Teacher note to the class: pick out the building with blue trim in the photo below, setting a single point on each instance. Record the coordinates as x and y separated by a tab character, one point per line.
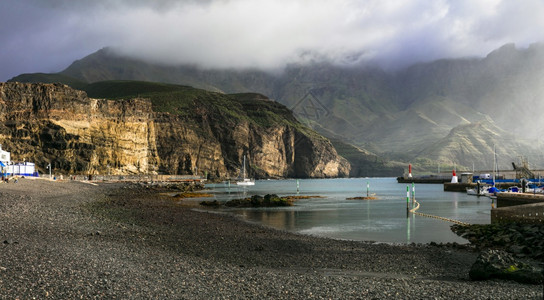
10	168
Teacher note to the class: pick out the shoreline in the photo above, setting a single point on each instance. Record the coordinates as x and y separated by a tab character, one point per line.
116	240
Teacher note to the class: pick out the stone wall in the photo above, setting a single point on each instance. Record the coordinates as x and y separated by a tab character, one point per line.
520	208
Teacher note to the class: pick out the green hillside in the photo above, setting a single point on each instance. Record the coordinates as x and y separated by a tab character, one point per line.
181	100
50	78
126	88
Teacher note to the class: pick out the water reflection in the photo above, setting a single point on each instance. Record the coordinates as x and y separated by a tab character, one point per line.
277	219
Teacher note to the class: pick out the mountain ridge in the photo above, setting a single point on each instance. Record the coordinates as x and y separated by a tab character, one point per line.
394	115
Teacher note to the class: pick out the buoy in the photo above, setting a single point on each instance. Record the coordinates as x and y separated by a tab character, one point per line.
413	194
407	200
409	170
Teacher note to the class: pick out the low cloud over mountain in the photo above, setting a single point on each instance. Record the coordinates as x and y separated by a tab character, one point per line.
44	36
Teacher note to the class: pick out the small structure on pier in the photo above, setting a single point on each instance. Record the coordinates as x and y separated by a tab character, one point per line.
523	171
466	177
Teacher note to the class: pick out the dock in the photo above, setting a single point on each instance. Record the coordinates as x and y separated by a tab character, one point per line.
462	187
515	199
518	207
424	179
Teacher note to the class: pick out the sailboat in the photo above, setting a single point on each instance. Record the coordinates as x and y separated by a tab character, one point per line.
492	191
245	181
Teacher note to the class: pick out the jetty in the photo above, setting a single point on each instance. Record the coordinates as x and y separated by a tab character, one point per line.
518	207
463	186
409	178
424	179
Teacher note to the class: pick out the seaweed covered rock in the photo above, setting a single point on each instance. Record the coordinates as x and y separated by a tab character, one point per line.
269	200
502	265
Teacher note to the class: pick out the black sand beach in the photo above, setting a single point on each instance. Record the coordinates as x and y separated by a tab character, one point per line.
71	240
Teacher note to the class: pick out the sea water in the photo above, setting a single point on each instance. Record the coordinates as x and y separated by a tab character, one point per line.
382	220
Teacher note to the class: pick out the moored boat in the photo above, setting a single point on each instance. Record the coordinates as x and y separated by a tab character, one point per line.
244	181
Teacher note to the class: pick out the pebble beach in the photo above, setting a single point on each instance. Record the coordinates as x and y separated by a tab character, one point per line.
76	240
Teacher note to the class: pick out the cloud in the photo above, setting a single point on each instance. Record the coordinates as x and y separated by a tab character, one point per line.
48	35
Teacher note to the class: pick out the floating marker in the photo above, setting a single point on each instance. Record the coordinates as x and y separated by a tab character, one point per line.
407	199
408	230
410	170
413	194
298	186
367	189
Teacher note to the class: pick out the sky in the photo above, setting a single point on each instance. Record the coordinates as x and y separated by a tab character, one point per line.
48	35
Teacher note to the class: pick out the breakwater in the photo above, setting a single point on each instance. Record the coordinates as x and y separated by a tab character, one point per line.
518	207
462	187
424	179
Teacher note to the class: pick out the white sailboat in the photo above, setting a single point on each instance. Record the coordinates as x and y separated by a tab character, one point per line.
492	191
245	181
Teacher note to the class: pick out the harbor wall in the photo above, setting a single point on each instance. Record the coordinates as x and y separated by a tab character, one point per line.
462	187
430	179
458	187
516	199
519	208
526	213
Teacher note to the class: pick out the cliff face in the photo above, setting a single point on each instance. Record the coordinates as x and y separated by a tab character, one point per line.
47	123
52	123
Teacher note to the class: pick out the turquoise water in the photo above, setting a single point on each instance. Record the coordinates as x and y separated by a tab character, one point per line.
382	220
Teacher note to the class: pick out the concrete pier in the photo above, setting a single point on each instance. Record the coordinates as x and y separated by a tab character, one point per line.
462	187
516	199
427	179
518	207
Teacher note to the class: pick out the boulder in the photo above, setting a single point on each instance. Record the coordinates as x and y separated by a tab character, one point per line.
502	265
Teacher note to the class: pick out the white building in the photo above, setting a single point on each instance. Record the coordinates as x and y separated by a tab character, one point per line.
4	156
21	169
10	168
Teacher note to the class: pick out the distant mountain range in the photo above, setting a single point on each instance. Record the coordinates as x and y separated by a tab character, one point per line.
446	112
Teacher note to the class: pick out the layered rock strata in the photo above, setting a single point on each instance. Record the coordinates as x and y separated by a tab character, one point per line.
52	123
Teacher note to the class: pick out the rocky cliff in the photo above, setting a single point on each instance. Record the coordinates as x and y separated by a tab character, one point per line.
176	133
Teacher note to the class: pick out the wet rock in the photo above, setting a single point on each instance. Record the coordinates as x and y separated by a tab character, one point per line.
522	240
516	249
502	265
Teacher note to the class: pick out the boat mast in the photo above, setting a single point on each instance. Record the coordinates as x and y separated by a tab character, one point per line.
244	168
494	163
